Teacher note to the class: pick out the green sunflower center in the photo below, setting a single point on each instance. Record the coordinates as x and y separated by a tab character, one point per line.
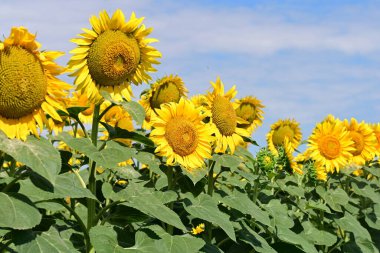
113	58
247	112
182	136
223	115
23	83
358	140
280	133
166	93
329	146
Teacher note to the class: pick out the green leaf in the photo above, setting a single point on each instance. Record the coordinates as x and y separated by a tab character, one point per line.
177	244
316	236
17	211
74	111
104	239
289	236
318	205
373	171
279	213
109	157
291	189
334	198
144	200
119	133
135	110
195	175
67	185
229	161
242	203
49	241
249	236
38	154
373	218
366	191
206	208
150	160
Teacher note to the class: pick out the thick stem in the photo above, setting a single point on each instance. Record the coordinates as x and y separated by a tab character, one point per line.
91	210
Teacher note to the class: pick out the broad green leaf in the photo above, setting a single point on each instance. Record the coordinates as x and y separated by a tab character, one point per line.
17	211
242	203
335	198
206	208
249	236
289	236
373	171
318	205
117	133
109	157
177	244
104	239
73	111
135	110
279	213
229	161
144	200
211	248
291	189
366	191
316	236
67	185
373	218
195	175
127	172
49	241
151	161
166	197
38	154
350	223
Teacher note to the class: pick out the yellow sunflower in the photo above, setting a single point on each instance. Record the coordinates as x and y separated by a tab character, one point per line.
364	141
250	109
29	87
376	131
81	100
180	134
165	90
321	173
288	148
223	118
112	55
330	145
280	130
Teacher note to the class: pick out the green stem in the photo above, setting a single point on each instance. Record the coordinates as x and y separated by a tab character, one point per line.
83	128
91	209
81	224
169	174
14	181
105	111
101	212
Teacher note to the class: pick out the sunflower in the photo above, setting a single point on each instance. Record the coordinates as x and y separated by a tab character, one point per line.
167	89
250	109
28	85
288	148
330	145
364	141
376	131
81	100
223	118
112	55
288	128
180	134
320	171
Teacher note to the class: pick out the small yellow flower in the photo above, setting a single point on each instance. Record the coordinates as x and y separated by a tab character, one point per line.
198	229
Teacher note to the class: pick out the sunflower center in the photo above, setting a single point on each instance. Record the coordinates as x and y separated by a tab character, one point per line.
182	136
223	115
247	112
358	140
280	134
166	93
23	82
113	57
329	146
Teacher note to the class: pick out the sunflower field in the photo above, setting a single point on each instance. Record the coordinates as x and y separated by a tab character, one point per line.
86	168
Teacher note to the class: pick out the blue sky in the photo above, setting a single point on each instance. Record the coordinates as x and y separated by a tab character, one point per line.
303	59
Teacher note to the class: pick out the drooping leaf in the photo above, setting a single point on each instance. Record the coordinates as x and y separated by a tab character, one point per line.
18	212
206	208
38	154
249	236
135	110
195	175
279	213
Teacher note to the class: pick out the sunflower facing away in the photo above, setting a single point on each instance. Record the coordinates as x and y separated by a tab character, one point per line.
250	109
330	145
288	128
28	85
224	119
113	54
180	134
165	90
364	141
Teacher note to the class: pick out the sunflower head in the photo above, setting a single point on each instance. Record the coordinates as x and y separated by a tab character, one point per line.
180	134
376	131
330	145
28	86
113	54
224	119
165	90
364	141
250	110
282	129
